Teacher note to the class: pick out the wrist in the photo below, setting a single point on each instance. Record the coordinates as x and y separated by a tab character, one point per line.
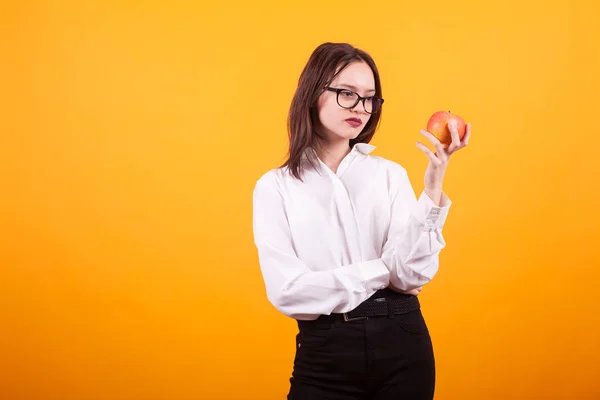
435	195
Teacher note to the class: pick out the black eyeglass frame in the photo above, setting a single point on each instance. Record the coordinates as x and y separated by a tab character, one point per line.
359	98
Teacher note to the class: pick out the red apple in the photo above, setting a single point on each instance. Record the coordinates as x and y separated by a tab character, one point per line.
438	126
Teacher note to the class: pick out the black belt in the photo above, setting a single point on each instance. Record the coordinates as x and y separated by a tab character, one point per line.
382	307
376	306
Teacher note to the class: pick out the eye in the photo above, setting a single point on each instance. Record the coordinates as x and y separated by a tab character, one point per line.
346	93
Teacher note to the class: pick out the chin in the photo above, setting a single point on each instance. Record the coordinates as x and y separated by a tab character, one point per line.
344	133
352	134
344	136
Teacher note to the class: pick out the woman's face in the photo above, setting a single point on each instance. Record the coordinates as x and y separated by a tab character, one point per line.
337	123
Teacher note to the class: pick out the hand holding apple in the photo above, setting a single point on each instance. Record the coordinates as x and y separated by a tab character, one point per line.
438	126
449	134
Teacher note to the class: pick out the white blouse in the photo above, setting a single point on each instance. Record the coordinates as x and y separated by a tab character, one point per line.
327	244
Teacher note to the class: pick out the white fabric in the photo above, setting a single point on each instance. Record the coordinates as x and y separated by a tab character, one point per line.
327	244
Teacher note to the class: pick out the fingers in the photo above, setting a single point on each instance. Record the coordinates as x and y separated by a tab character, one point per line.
465	140
432	157
439	148
455	137
456	142
414	292
443	152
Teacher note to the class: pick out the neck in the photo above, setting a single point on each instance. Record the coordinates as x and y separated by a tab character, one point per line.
332	153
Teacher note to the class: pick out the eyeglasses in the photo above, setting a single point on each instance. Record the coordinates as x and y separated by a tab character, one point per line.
349	99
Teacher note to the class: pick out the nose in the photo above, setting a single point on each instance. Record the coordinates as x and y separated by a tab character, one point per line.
360	106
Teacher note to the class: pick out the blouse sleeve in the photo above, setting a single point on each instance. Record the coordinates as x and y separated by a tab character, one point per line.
414	239
291	286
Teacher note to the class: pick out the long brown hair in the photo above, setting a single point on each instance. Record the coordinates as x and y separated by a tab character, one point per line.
326	61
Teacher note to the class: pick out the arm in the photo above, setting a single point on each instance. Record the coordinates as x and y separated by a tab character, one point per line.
415	235
292	287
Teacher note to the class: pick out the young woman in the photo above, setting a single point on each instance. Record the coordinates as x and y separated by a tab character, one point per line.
344	244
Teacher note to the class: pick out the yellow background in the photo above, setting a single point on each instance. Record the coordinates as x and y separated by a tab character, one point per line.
131	136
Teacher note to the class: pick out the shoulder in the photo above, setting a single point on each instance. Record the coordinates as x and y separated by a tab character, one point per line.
273	176
387	172
272	180
387	166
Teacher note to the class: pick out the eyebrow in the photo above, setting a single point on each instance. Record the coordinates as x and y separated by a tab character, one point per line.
355	88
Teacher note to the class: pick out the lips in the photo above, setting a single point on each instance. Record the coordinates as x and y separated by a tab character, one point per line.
354	121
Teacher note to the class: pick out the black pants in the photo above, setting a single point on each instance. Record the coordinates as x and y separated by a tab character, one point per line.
379	358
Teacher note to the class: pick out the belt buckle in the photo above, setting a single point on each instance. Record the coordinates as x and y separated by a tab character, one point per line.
347	318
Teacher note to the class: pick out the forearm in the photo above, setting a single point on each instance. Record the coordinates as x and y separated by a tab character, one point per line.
301	293
414	242
415	266
435	194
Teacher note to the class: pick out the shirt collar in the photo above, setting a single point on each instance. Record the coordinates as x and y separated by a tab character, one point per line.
363	148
